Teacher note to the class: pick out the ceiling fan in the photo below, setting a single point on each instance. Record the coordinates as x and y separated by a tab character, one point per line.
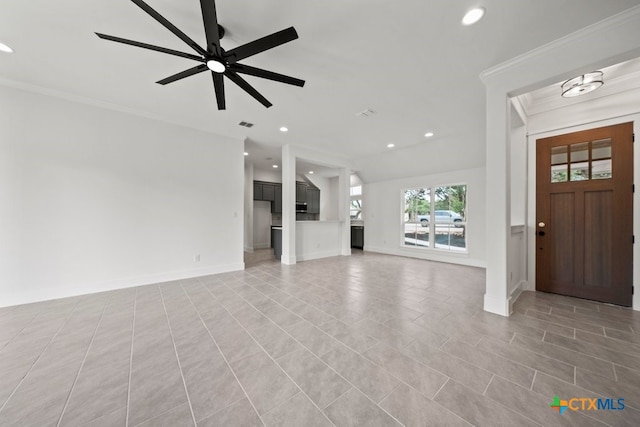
214	57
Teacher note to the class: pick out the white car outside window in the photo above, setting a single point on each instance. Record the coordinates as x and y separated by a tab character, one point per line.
442	217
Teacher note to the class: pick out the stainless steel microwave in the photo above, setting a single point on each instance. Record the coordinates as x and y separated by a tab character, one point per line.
301	207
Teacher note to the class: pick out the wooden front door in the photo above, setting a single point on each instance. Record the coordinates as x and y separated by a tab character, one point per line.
584	214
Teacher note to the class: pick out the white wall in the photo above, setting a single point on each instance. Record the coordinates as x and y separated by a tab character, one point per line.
261	224
518	172
332	204
383	230
517	263
610	110
328	196
94	199
271	175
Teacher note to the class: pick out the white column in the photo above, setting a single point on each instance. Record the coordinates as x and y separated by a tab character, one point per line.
248	207
498	222
288	206
344	201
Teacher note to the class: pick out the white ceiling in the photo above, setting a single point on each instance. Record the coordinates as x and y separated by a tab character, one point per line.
617	78
410	61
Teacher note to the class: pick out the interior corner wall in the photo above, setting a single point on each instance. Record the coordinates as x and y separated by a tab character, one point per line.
384	218
93	199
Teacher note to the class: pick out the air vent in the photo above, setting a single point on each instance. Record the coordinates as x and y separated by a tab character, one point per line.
366	113
246	124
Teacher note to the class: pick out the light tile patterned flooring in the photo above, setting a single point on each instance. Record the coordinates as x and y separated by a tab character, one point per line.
365	340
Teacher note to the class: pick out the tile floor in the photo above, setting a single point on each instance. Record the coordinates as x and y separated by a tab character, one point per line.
365	340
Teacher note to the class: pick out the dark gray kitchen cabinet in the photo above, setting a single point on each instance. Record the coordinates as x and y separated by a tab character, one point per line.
268	192
257	190
357	236
301	192
313	200
276	206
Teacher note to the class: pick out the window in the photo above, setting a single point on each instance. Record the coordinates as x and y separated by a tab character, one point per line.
355	211
436	217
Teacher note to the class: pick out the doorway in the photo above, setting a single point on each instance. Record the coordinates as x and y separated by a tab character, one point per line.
584	214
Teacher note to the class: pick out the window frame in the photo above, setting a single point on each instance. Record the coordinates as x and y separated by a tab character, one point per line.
431	247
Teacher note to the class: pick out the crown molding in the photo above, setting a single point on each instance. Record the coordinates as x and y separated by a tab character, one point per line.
612	22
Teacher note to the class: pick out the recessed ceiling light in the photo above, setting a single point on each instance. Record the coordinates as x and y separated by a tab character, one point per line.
428	134
246	154
275	166
311	172
391	145
216	66
5	48
473	16
284	129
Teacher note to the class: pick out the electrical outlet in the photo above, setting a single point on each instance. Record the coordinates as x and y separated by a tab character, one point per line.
197	258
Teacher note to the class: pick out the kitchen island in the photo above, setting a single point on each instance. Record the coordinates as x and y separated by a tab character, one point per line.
318	239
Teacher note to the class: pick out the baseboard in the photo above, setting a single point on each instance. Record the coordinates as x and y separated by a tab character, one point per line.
261	245
515	294
496	305
432	255
290	260
61	291
248	248
318	255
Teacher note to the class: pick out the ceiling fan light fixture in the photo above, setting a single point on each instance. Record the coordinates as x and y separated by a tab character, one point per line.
582	84
473	16
216	66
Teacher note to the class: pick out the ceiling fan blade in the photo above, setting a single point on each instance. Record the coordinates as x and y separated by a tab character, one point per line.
218	85
149	46
234	77
260	45
168	25
181	75
210	19
269	75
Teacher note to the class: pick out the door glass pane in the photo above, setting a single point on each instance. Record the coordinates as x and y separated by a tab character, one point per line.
601	149
559	173
580	171
580	152
601	169
559	160
559	155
